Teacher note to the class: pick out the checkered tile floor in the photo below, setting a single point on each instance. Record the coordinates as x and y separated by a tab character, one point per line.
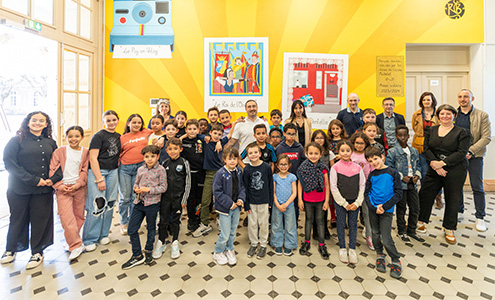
433	270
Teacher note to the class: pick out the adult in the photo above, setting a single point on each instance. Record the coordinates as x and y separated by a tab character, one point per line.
388	120
445	147
163	108
352	116
477	123
30	194
303	123
421	121
243	131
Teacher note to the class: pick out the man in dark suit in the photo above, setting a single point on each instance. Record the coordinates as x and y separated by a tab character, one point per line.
388	120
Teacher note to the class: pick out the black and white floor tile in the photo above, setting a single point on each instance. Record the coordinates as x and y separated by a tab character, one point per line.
433	270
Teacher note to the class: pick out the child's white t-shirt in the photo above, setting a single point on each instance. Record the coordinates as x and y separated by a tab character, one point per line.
72	165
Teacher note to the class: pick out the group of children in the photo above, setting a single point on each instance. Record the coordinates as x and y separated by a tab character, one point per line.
184	164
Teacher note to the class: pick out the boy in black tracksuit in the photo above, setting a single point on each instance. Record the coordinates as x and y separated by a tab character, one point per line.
174	199
193	152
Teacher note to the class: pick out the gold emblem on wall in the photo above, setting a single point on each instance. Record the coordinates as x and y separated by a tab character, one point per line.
454	9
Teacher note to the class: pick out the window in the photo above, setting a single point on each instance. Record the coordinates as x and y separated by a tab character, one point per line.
78	15
13	98
36	98
41	10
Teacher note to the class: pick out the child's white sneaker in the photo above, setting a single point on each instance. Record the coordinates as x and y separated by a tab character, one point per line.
220	258
175	251
343	255
159	249
231	257
353	259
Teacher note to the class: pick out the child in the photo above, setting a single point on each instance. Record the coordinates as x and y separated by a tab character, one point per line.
225	120
336	133
71	190
291	148
283	214
371	130
174	199
360	143
320	138
369	115
276	118
276	135
135	138
229	193
181	117
405	160
258	181
383	190
267	150
203	126
151	182
347	183
193	151
171	129
212	163
314	185
156	123
212	115
104	150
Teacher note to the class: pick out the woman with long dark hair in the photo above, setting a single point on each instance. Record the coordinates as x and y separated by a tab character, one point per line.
303	123
30	194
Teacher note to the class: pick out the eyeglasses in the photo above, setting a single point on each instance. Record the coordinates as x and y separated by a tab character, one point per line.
283	165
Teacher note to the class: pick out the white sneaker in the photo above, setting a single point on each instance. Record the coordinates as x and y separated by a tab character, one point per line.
34	261
76	252
175	251
343	255
353	259
202	229
460	217
480	225
8	257
159	249
231	257
220	258
123	229
105	241
90	248
364	232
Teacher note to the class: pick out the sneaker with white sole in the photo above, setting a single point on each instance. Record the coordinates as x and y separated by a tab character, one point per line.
174	250
353	259
230	254
35	260
159	249
8	257
105	241
480	225
343	255
134	261
123	229
76	252
202	230
369	241
460	217
421	228
220	258
449	236
90	248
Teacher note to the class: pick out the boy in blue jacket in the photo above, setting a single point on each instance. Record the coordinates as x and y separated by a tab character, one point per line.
405	160
230	195
383	190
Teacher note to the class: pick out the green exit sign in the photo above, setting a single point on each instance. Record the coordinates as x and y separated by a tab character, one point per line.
30	24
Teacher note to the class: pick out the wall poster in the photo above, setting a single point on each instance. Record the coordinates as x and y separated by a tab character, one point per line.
320	81
236	70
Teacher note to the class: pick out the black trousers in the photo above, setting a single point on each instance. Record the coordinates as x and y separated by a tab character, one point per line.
35	210
170	212
409	199
197	182
452	185
314	211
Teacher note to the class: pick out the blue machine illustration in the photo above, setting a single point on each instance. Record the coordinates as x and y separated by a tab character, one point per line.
142	23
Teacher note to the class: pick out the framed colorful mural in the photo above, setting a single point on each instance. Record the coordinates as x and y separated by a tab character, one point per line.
236	70
320	81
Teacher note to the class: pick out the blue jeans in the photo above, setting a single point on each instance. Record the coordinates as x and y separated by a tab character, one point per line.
228	227
475	170
138	214
347	217
127	177
284	221
98	221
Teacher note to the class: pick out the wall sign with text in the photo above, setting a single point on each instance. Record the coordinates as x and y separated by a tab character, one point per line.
390	76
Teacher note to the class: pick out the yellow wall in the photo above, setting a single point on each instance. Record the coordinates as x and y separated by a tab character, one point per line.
363	29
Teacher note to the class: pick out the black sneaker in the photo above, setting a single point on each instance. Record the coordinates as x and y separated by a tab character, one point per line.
327	234
404	238
380	263
261	253
323	252
278	250
245	222
252	251
417	237
148	258
333	225
304	248
134	261
396	270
